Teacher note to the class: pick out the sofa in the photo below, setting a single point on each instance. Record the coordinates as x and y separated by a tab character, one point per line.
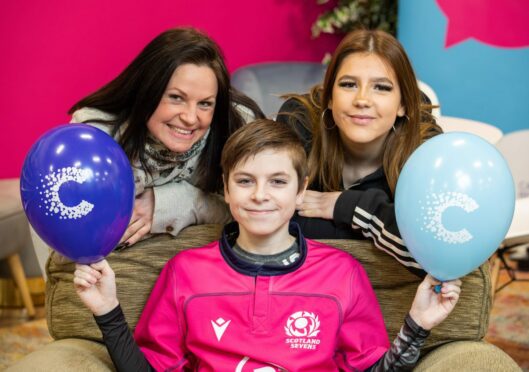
456	345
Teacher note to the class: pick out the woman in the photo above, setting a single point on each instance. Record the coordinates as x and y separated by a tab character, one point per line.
359	129
171	110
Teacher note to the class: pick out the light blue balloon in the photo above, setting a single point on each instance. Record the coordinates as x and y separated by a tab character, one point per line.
454	203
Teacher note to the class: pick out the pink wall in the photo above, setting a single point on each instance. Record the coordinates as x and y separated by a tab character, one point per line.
56	52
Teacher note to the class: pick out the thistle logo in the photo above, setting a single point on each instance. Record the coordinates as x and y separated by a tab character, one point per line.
303	327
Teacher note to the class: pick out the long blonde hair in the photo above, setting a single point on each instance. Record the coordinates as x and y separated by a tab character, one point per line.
326	157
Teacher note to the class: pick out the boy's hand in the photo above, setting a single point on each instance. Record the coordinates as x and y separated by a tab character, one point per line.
318	204
96	286
142	216
429	308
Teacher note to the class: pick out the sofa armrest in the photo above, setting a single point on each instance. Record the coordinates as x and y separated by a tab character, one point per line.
69	354
467	356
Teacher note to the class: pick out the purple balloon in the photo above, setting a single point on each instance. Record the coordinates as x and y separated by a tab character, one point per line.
77	190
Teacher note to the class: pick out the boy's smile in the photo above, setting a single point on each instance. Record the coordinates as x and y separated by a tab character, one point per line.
262	192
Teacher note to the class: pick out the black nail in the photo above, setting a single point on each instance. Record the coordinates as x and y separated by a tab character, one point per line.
122	246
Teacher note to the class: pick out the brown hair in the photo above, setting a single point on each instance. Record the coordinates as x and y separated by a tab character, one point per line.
261	135
326	157
132	97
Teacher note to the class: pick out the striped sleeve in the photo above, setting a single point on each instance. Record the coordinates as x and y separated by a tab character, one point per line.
373	213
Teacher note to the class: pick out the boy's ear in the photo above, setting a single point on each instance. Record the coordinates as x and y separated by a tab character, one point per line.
301	193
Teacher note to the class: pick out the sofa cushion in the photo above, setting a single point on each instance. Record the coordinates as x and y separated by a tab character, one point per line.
138	267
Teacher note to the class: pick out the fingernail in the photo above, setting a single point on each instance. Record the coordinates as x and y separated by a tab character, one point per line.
122	246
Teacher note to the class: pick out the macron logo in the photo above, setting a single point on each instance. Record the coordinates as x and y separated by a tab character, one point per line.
219	326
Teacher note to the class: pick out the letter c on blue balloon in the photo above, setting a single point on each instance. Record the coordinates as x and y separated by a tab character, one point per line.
52	183
436	205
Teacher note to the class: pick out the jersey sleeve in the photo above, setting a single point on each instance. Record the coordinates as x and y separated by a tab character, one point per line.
405	349
362	338
161	328
122	348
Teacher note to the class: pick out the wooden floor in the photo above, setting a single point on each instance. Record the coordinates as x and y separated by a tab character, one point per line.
518	353
10	317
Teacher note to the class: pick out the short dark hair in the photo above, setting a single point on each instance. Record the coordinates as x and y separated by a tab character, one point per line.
261	135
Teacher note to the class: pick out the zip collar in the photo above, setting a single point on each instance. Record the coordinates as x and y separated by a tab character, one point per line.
228	238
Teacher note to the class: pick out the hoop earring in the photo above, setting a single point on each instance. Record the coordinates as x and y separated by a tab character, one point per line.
322	119
405	118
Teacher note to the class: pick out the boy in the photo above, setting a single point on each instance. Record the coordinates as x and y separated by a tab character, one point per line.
262	297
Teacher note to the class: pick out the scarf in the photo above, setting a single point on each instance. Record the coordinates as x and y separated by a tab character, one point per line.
165	165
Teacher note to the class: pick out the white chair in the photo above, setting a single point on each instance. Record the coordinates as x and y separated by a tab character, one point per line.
14	238
452	124
486	131
42	251
515	149
428	90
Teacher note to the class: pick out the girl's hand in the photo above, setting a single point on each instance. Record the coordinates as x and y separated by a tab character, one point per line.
96	286
141	220
318	204
429	308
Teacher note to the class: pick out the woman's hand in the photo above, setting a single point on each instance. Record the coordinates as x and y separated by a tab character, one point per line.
96	286
141	220
430	308
318	204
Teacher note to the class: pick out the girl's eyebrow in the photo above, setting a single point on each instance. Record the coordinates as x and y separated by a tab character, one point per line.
381	79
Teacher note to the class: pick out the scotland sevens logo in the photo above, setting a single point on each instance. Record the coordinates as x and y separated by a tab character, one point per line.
51	185
436	205
302	324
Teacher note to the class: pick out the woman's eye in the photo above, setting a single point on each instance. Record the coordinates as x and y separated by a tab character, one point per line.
175	97
384	87
207	104
347	84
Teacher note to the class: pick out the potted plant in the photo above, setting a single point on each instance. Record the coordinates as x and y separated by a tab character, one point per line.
348	15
